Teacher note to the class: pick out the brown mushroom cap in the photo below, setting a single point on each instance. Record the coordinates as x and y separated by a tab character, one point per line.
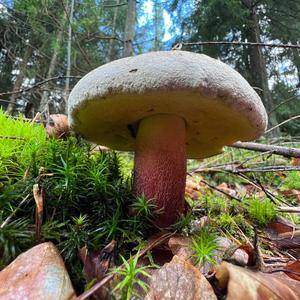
217	103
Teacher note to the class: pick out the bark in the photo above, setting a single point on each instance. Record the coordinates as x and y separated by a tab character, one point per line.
258	67
44	104
129	28
19	80
111	52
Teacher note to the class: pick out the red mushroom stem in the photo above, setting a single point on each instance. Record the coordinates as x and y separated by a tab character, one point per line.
160	165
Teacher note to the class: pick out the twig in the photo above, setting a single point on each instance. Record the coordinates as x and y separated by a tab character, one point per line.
289	209
272	45
286	121
282	103
114	5
279	150
14	211
219	190
237	170
38	84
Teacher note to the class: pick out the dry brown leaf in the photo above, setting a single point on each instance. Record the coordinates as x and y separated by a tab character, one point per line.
38	273
242	283
58	127
294	266
96	264
181	246
295	161
39	198
179	280
227	189
295	194
287	240
280	225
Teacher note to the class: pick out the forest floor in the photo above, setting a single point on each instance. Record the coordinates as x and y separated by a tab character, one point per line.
240	237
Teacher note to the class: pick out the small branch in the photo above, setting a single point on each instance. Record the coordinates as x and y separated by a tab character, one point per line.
14	211
114	5
219	190
279	150
289	209
38	84
236	170
178	46
286	121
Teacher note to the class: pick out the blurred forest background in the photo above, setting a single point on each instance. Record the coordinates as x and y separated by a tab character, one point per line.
46	46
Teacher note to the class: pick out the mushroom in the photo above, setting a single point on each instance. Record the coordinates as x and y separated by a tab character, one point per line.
166	106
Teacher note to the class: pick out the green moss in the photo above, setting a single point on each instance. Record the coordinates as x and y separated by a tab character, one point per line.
262	212
87	198
292	180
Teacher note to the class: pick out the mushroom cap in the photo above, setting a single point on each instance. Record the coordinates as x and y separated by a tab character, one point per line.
216	102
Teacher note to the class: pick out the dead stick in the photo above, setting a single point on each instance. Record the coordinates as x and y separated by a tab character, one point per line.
288	209
279	150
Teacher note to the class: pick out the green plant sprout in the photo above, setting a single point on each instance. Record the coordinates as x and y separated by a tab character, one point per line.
130	274
204	246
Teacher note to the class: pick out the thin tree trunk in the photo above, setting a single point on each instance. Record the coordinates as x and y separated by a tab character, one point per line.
69	49
111	52
296	61
129	28
19	80
44	104
258	67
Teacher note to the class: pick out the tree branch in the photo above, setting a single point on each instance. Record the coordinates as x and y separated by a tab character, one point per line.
180	45
38	84
279	150
114	5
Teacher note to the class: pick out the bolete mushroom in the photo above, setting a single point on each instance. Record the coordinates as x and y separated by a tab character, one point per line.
166	106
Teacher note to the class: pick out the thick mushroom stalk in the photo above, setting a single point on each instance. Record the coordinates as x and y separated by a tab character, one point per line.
160	165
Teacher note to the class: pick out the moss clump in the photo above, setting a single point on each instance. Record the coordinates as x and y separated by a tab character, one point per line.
87	198
262	212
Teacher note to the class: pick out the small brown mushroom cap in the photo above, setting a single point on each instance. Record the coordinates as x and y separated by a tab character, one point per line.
216	102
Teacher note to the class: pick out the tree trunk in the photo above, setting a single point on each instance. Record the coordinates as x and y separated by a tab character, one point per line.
111	52
129	28
296	61
69	49
19	80
44	104
258	67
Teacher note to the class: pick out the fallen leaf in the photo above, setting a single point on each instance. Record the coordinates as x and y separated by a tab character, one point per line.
287	240
293	266
280	225
38	273
295	161
179	280
181	246
96	264
58	126
39	198
226	189
295	194
242	283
